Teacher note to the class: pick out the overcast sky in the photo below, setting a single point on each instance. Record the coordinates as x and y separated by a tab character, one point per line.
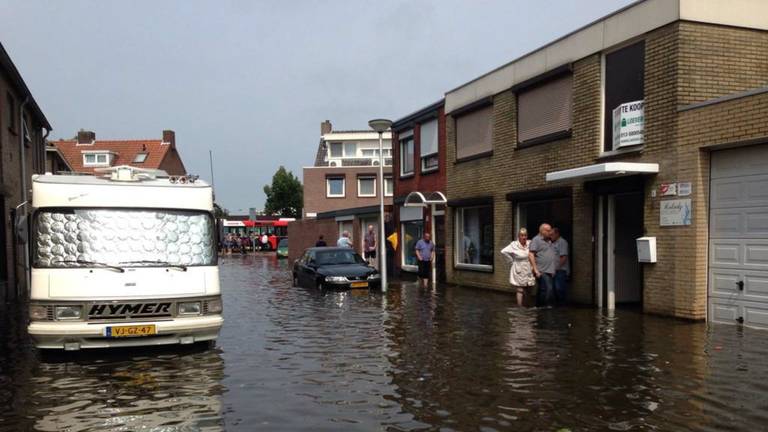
253	80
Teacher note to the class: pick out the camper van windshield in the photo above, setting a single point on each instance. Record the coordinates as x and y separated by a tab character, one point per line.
128	238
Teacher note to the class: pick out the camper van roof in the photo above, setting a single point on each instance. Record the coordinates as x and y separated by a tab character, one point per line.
102	180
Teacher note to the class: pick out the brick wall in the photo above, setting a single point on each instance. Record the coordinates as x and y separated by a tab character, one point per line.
304	233
684	63
315	200
11	178
513	169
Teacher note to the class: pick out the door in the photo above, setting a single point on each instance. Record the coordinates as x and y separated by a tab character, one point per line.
628	227
738	236
440	246
620	223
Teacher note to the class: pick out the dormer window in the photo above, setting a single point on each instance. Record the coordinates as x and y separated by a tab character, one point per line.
140	157
96	159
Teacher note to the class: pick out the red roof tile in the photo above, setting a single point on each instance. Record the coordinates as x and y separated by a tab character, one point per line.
124	152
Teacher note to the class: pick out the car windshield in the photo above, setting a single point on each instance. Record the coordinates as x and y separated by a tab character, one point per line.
335	257
283	243
122	237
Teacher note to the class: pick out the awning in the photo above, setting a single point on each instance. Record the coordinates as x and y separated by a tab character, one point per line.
603	170
423	199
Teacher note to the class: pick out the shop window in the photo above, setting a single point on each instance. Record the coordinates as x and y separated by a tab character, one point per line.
366	186
473	133
336	150
624	82
411	232
335	187
544	112
428	144
406	156
474	237
389	188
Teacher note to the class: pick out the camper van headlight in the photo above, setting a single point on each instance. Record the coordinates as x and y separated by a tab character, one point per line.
66	313
190	308
213	306
38	312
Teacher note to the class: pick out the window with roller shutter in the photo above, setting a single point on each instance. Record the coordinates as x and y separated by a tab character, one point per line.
545	112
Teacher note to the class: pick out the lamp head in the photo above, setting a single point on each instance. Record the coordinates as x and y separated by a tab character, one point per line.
380	125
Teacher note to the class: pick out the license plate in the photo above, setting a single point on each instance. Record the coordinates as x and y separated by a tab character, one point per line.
131	331
359	285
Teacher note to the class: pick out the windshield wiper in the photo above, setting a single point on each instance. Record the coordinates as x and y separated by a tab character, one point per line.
93	263
181	267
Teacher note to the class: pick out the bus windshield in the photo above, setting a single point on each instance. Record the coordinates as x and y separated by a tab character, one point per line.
71	237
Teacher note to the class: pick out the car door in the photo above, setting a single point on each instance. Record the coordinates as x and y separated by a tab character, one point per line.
307	272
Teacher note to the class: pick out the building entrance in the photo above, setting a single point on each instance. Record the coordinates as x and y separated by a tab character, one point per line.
620	223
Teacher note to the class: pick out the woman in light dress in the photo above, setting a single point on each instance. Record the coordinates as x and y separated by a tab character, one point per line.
520	273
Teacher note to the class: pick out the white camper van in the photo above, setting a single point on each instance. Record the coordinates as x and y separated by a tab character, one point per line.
127	258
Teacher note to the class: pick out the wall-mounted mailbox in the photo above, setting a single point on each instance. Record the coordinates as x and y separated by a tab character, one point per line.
646	249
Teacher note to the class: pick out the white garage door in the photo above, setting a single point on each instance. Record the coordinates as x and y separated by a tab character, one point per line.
738	237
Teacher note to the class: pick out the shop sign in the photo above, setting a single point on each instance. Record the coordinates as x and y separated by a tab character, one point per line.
675	212
628	124
668	189
684	188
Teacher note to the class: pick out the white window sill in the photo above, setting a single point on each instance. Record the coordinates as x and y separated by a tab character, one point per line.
626	150
367	196
474	267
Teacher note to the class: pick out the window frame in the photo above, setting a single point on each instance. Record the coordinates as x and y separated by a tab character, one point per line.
603	74
423	157
366	177
330	150
144	159
96	162
354	153
403	250
391	181
458	220
401	142
12	113
328	193
470	109
538	85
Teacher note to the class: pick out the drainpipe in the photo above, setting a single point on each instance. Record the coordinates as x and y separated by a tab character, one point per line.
23	160
44	140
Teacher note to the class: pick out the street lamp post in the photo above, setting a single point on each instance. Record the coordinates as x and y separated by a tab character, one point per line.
380	126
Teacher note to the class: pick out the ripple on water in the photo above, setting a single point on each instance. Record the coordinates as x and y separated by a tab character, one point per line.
457	359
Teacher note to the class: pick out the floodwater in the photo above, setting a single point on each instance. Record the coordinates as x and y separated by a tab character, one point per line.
292	359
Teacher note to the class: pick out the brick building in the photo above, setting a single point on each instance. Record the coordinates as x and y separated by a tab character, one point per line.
650	122
345	170
23	128
85	153
419	172
343	184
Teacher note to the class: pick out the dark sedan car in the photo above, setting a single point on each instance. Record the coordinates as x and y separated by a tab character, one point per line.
333	268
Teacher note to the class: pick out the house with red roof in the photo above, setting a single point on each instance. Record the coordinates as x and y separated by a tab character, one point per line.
85	153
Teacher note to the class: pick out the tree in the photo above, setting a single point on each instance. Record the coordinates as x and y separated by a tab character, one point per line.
285	195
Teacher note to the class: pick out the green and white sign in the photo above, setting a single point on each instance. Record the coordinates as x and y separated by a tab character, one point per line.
628	124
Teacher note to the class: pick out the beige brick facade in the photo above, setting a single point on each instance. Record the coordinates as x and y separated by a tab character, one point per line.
685	63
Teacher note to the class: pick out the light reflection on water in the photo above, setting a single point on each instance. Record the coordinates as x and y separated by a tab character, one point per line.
452	359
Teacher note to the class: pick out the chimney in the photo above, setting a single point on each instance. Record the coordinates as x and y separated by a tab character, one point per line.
325	127
85	137
169	137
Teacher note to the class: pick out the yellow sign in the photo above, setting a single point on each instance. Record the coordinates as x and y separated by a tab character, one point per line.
131	331
359	285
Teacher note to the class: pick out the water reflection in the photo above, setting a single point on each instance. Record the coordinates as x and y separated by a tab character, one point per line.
292	359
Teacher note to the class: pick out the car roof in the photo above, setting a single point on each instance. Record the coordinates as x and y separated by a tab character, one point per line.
331	249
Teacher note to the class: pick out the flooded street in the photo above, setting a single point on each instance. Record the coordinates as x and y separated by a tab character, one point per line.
294	359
